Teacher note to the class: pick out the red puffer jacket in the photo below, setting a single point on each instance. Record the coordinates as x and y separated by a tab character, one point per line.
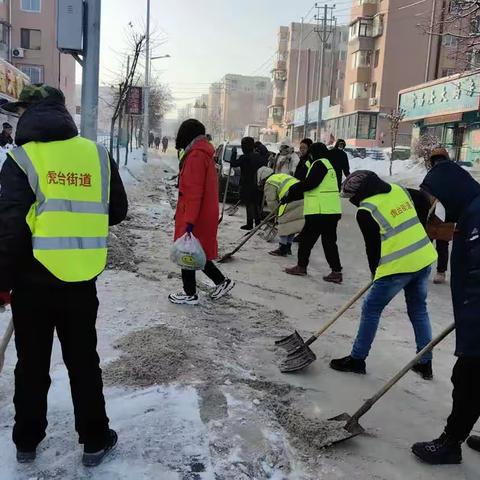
198	197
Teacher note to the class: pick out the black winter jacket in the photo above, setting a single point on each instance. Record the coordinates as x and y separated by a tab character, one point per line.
45	122
249	164
459	193
339	160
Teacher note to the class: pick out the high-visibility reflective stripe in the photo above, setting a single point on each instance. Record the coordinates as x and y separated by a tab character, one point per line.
405	251
68	243
282	185
23	160
401	228
55	205
377	215
104	171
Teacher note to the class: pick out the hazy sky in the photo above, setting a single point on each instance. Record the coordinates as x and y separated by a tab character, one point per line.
205	38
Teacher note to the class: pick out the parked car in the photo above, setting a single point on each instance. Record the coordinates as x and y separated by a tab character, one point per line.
223	156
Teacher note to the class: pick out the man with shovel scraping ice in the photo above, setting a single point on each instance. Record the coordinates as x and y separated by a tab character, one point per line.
59	193
459	193
400	256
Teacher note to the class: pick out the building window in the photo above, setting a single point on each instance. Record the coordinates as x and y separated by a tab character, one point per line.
377	58
374	90
364	2
446	72
449	41
358	90
34	72
343	55
361	28
30	39
377	27
362	58
4	29
367	126
31	5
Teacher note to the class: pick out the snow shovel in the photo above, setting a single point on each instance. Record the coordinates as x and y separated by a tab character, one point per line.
234	208
4	343
345	426
299	353
247	237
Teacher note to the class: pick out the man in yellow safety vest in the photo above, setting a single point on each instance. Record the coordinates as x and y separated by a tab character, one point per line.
400	256
59	194
322	211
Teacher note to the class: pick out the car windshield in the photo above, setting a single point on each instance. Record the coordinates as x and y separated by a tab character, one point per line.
228	152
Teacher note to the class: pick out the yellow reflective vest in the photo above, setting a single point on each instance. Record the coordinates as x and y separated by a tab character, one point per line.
324	199
405	246
283	182
69	219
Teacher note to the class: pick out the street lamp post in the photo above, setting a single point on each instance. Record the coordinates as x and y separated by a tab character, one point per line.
146	93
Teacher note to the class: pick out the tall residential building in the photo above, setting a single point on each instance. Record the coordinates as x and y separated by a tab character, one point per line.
244	100
296	73
387	51
28	41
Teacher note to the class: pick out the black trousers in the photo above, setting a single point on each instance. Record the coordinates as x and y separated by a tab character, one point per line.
466	398
190	282
442	250
253	212
317	226
72	311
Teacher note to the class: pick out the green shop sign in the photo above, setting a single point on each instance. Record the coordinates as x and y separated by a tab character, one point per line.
457	95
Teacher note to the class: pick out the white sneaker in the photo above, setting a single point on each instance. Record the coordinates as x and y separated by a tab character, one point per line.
183	299
222	289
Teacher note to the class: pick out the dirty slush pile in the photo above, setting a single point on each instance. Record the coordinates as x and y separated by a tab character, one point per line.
121	250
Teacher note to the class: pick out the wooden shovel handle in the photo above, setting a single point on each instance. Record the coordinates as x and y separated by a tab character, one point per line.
353	300
5	341
371	401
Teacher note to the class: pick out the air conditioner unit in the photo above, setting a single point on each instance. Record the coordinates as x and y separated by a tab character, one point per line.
18	53
373	102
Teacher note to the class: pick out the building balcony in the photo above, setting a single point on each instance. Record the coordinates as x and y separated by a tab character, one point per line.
360	74
361	43
353	105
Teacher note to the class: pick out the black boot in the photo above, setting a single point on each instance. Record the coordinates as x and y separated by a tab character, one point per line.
24	456
93	459
288	249
424	370
246	227
474	442
442	451
349	364
281	251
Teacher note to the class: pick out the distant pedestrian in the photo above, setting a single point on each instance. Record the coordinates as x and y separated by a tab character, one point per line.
197	208
286	161
151	140
262	150
157	143
339	160
459	193
249	163
6	135
400	256
164	144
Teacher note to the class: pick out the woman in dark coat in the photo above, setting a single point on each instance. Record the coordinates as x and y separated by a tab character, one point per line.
197	208
459	193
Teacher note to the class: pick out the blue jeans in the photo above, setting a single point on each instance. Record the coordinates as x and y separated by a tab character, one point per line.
286	239
382	292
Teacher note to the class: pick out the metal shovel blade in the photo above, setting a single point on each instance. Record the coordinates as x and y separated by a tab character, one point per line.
291	343
340	428
298	360
225	258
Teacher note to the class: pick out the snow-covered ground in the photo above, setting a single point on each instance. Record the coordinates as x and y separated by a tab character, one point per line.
196	394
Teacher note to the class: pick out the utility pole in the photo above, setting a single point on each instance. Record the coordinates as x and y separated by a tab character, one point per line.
300	44
324	33
430	41
146	89
90	73
307	96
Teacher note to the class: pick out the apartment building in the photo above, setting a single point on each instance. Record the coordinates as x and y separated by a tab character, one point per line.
28	41
244	100
296	75
387	52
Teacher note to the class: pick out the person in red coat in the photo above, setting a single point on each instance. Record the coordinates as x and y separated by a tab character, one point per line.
197	208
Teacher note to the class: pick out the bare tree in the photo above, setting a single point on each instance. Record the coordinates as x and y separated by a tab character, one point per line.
394	118
423	146
123	87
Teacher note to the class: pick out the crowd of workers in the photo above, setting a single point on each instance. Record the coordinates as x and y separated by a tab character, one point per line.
60	192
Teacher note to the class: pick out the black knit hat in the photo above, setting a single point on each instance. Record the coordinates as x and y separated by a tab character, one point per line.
189	130
248	145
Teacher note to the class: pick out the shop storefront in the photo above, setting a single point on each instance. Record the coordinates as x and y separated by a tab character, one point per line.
447	109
